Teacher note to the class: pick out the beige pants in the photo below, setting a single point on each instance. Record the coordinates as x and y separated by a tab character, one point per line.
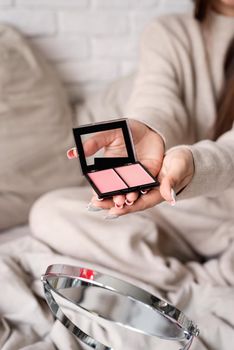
192	230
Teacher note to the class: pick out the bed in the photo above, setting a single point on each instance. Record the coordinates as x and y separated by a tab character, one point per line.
25	320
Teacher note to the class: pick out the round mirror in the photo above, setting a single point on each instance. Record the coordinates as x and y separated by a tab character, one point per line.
105	297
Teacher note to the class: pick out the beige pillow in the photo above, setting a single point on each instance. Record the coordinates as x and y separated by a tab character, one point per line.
35	129
109	103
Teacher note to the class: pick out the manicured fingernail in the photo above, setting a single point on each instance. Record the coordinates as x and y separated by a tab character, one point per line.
91	207
99	199
119	206
71	153
173	196
127	202
111	217
144	191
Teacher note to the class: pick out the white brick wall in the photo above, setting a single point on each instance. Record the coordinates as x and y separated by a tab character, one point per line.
89	42
6	2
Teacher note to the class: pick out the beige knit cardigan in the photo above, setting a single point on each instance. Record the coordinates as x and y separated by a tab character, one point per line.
176	90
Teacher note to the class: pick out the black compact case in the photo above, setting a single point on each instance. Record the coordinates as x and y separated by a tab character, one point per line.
111	175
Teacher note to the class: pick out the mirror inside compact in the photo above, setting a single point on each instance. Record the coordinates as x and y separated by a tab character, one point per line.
103	297
93	142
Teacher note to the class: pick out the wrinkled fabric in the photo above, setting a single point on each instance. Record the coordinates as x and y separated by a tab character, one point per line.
133	248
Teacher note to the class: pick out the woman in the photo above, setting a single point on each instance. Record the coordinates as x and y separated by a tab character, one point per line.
178	94
181	115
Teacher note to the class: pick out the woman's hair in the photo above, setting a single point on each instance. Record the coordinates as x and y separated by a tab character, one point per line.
225	107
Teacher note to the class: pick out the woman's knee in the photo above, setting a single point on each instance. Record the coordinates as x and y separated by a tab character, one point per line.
42	209
48	211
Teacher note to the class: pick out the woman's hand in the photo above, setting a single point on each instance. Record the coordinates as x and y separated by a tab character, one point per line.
176	172
149	148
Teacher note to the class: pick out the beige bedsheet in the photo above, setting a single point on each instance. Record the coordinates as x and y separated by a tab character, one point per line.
204	291
14	233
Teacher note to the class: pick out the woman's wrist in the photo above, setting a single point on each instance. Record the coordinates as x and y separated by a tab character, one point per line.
152	128
178	168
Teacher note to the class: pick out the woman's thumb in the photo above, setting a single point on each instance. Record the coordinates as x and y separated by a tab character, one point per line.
72	153
167	189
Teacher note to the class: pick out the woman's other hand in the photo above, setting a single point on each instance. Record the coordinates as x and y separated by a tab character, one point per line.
176	172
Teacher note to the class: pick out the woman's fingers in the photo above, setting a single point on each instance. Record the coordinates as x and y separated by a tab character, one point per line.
131	198
167	190
104	204
100	140
146	201
72	153
119	201
95	143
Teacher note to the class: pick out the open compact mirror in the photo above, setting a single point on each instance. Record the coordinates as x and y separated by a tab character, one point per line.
114	169
102	296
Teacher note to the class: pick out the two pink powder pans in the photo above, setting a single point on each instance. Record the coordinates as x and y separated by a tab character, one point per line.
120	178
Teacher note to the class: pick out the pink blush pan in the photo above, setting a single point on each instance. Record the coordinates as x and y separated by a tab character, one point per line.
107	180
134	175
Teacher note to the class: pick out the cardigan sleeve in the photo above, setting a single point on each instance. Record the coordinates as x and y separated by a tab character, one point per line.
214	167
156	98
